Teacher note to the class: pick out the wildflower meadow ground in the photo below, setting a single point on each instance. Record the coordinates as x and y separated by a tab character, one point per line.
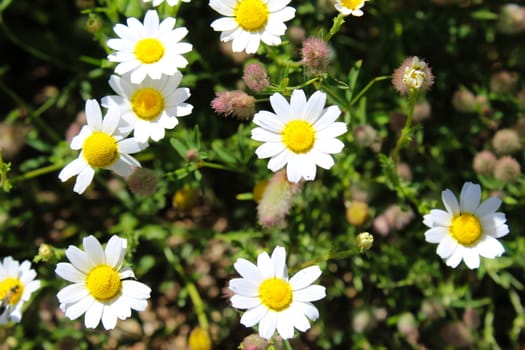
262	174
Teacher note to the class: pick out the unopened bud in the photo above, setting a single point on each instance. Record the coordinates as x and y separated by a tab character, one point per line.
256	77
254	342
507	169
506	141
357	212
185	199
46	252
364	241
277	200
199	339
484	162
143	182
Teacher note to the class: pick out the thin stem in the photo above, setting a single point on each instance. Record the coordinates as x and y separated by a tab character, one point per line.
37	172
405	133
204	164
287	344
368	86
190	287
338	22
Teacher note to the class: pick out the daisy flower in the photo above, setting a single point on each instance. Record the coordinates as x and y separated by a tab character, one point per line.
169	2
17	283
151	49
271	299
102	145
247	22
467	229
151	106
350	7
101	288
300	135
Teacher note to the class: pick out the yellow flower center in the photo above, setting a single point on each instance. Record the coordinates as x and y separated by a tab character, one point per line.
100	149
11	290
103	283
149	50
251	15
465	229
276	294
299	136
147	103
351	4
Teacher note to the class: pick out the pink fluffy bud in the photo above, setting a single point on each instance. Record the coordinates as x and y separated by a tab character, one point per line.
506	141
507	169
484	162
236	103
277	200
256	77
413	74
316	55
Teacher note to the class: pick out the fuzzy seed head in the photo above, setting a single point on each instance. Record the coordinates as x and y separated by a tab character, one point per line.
506	141
236	103
143	182
413	74
464	101
484	162
316	55
256	77
507	169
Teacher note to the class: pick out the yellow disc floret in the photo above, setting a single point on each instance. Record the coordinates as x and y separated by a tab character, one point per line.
352	4
147	103
251	15
298	136
149	50
103	282
466	229
11	290
100	149
276	294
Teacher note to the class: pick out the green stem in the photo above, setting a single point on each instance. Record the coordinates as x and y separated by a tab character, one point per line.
190	287
37	172
405	133
287	344
300	86
338	22
204	164
368	86
341	102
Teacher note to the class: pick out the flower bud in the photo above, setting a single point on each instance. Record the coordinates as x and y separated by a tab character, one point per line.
254	342
507	169
277	200
46	252
143	182
316	55
365	135
236	103
256	77
511	19
364	241
185	198
506	141
357	212
484	162
93	23
199	339
464	101
503	82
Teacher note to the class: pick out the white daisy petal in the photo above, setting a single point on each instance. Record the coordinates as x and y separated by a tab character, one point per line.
305	277
471	258
93	315
489	247
469	197
72	293
247	269
254	315
446	247
488	207
436	234
279	262
268	325
455	259
285	324
69	273
450	202
84	179
94	250
311	293
242	302
115	251
244	287
109	318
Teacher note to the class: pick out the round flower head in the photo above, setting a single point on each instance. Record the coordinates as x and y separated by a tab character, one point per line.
169	2
350	7
102	145
151	49
101	288
271	299
467	229
300	134
17	283
413	74
247	22
151	106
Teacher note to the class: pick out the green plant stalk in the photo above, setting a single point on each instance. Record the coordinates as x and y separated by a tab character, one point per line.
368	86
338	22
287	344
190	287
405	133
37	172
